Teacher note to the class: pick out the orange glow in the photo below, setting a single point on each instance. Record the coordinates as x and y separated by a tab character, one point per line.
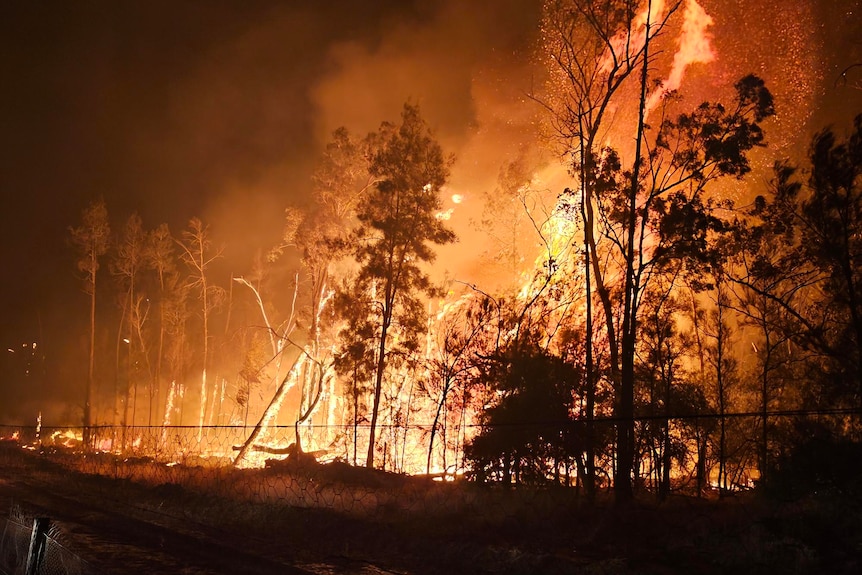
694	47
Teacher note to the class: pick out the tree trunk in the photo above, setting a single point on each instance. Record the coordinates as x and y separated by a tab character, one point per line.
434	426
625	401
271	409
88	400
378	379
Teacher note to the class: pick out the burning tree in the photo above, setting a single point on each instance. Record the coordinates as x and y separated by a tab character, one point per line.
319	233
127	266
398	221
644	211
198	255
159	257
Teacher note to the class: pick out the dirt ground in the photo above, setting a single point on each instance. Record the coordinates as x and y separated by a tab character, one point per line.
120	527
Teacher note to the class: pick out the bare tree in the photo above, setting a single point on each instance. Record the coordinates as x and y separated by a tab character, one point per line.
160	257
127	266
198	254
91	239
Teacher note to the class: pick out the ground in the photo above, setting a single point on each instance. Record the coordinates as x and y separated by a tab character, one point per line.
121	527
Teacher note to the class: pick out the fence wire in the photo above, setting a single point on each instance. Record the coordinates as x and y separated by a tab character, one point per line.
180	460
56	559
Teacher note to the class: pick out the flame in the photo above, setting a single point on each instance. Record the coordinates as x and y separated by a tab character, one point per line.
695	47
632	39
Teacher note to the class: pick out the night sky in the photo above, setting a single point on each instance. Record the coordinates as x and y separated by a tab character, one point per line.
217	109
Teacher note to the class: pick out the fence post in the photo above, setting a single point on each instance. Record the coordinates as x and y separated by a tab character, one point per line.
37	544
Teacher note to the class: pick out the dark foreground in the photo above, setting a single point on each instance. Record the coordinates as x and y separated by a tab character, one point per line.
120	527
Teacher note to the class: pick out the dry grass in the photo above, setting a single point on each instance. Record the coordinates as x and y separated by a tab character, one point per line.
414	525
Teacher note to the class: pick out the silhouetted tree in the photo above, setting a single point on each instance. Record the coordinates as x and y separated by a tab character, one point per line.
91	239
398	224
647	205
530	426
458	332
799	256
160	257
355	359
723	369
127	265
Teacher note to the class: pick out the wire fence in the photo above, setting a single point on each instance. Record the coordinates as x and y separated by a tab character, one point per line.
31	548
204	460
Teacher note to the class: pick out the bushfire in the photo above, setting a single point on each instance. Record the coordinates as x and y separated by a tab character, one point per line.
628	304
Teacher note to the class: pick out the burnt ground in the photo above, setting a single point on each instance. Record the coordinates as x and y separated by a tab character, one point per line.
120	527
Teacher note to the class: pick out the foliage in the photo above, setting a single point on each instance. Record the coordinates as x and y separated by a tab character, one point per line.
398	224
802	252
529	429
819	464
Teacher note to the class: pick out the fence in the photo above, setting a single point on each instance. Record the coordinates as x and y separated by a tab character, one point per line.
201	460
32	549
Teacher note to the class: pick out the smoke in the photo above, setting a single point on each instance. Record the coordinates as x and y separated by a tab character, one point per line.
431	60
469	74
274	94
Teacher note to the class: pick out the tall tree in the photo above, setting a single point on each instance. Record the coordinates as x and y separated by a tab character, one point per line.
398	224
127	265
198	254
594	48
91	239
319	233
646	207
159	255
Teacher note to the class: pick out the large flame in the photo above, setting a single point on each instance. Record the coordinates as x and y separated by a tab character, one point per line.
694	47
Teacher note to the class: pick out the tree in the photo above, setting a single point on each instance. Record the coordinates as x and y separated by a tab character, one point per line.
646	208
198	255
319	233
505	218
355	359
458	329
660	374
594	48
341	181
797	256
724	367
91	239
397	222
529	428
127	266
160	257
277	339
